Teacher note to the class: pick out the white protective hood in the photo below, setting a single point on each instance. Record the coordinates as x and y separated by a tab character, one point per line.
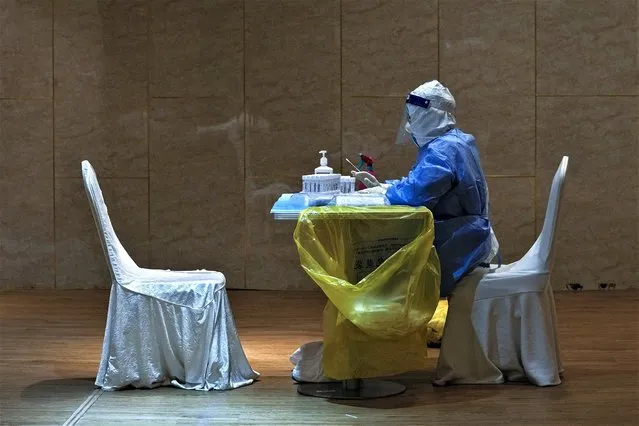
428	114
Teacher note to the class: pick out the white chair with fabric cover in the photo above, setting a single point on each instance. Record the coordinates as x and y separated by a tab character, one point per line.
501	323
164	327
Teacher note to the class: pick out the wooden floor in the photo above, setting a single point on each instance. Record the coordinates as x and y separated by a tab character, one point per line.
50	348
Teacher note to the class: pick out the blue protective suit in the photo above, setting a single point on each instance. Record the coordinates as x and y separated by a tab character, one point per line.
447	178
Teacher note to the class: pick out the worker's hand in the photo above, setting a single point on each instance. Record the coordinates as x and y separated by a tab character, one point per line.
366	178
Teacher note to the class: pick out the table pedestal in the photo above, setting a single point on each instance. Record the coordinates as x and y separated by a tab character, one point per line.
352	389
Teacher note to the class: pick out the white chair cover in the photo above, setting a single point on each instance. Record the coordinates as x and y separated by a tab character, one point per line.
307	361
501	323
164	327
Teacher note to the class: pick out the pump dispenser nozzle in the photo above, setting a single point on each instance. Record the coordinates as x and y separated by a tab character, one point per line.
323	169
323	160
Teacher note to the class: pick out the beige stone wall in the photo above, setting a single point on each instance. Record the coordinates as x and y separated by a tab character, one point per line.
198	114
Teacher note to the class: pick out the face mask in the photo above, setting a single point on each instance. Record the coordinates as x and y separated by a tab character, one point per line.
412	136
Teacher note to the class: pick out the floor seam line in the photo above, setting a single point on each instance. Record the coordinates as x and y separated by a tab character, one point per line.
84	407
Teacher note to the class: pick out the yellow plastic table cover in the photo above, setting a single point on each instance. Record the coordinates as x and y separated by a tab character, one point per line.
380	272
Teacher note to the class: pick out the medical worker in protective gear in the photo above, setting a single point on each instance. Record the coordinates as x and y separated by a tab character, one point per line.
447	178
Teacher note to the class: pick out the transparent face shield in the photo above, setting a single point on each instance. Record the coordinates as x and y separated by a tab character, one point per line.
422	121
403	135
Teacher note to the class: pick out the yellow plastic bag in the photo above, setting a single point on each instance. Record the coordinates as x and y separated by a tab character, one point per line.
436	325
380	272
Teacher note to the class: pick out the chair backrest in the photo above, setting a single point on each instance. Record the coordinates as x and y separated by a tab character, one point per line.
121	266
541	255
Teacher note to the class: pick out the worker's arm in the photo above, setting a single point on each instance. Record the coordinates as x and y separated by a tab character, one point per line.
428	180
